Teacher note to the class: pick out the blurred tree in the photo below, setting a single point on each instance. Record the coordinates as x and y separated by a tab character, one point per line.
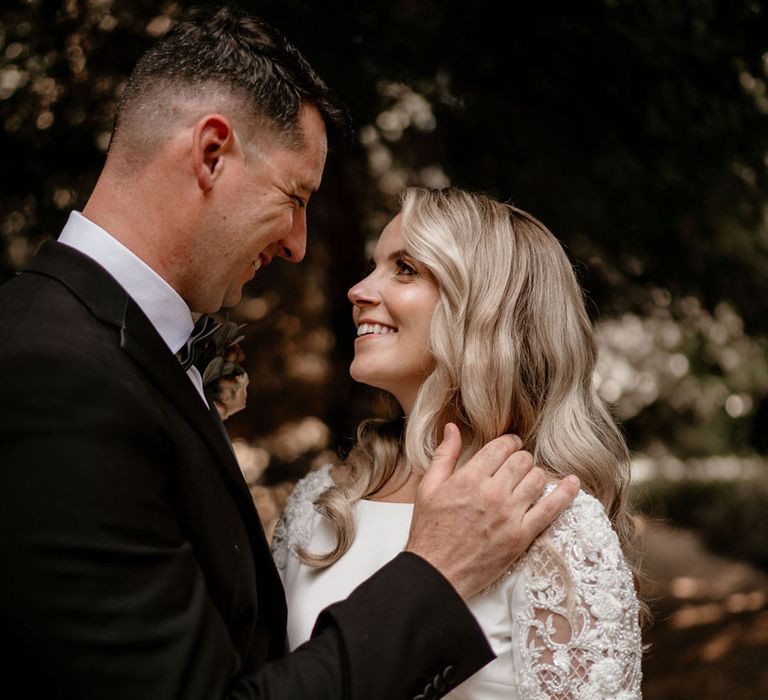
636	130
62	65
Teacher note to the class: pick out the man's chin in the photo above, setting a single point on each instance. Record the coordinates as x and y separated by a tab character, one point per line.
232	298
211	306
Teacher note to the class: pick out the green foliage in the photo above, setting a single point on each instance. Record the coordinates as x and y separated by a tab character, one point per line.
730	515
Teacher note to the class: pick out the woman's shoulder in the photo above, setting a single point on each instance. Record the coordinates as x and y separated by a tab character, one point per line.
312	485
577	580
584	521
298	519
583	545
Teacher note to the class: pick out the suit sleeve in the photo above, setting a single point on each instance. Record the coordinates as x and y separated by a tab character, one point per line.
403	633
102	595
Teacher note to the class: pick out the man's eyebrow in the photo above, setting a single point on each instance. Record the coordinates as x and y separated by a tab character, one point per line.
305	187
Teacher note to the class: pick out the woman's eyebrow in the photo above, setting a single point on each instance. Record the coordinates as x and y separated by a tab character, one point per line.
395	255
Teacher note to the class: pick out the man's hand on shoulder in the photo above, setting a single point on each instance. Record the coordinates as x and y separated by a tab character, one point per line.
473	523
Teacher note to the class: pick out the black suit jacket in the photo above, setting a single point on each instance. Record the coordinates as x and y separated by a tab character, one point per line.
133	562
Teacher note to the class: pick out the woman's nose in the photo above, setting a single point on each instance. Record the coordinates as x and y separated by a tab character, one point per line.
364	292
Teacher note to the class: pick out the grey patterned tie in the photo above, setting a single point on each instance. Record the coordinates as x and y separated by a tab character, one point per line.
196	346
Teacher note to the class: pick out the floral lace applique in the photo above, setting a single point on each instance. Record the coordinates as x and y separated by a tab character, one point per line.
297	522
579	630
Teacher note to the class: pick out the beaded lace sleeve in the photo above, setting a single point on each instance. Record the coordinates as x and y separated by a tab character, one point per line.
579	635
299	517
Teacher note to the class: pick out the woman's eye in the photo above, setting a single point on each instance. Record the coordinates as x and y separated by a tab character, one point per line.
403	268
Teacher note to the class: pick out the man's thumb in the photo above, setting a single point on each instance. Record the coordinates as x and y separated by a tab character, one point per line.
444	459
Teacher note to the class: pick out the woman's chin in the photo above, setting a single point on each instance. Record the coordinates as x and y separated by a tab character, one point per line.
366	376
362	377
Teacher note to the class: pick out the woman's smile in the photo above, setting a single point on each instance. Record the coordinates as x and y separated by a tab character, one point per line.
392	309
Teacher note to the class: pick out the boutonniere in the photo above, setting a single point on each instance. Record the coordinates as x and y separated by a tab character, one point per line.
224	380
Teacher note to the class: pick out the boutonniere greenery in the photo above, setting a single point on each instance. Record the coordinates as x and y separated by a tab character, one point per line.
224	379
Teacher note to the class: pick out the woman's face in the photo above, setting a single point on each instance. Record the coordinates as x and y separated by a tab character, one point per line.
392	310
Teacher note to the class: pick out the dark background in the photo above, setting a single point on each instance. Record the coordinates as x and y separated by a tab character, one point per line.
637	131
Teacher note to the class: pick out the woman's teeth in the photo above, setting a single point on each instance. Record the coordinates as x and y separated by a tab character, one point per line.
365	328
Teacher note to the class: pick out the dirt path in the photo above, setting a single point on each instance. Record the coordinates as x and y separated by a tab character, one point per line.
710	635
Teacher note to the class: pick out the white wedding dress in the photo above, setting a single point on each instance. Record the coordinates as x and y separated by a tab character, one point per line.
573	577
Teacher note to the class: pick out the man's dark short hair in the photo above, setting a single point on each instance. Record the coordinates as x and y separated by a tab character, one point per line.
227	46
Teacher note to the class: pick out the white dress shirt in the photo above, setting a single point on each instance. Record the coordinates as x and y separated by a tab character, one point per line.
160	302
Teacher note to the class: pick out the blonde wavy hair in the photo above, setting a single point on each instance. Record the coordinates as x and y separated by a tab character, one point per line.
514	353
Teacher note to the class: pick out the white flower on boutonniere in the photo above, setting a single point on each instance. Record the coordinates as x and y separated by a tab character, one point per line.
224	380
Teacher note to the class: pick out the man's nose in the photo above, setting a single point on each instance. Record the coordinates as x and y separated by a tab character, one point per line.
294	246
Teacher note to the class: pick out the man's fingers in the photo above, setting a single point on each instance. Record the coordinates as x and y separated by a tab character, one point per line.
530	487
493	454
512	471
542	514
444	459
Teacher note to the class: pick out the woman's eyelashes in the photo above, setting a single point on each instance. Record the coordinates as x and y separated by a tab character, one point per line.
404	268
397	264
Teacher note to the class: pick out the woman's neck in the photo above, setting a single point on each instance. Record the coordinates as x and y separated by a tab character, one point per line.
403	490
398	490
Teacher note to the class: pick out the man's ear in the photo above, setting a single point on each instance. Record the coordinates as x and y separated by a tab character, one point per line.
213	138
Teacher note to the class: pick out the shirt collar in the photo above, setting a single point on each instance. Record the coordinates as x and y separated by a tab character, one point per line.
160	302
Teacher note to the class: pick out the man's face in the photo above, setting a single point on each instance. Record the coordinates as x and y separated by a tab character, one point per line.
261	210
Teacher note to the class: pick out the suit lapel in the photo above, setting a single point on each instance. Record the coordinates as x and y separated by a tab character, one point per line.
110	303
145	347
149	351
